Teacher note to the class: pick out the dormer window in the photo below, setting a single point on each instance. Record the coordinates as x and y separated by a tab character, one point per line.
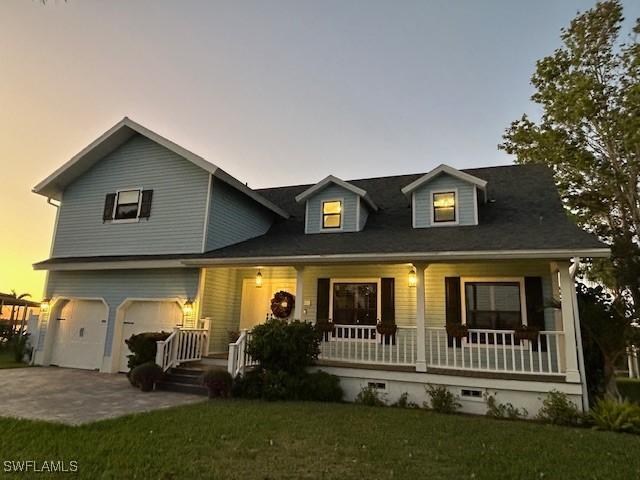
444	207
331	214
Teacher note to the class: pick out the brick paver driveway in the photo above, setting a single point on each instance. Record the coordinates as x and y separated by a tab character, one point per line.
77	396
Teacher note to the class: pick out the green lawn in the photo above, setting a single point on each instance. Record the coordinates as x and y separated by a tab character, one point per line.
7	361
249	440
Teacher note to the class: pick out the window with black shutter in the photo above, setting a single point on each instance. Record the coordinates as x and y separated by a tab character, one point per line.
127	205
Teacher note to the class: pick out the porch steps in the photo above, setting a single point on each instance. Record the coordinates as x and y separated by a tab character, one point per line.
185	379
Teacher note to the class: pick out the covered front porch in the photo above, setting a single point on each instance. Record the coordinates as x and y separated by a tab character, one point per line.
455	318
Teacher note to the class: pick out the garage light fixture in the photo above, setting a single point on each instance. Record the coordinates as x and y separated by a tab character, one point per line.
187	308
45	304
258	279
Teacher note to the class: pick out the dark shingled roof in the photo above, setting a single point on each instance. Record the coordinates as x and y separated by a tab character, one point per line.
524	212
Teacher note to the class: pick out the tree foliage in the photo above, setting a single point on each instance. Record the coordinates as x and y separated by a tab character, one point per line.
589	135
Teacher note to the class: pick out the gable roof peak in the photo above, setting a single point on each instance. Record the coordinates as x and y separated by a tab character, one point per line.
446	169
121	132
322	184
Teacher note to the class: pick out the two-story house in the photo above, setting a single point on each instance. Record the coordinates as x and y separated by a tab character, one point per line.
470	271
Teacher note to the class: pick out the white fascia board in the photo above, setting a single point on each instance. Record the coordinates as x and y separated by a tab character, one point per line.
341	183
114	265
404	257
408	189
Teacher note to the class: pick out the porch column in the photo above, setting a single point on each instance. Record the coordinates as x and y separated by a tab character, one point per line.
421	351
299	305
568	323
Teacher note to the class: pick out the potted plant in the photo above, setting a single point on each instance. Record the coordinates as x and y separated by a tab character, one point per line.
526	332
386	328
325	326
457	330
218	382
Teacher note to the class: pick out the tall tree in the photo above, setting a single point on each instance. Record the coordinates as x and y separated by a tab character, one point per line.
589	134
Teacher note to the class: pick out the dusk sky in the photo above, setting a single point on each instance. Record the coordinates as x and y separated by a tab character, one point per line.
274	92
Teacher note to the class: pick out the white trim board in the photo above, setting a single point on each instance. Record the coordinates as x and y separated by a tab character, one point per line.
341	183
442	168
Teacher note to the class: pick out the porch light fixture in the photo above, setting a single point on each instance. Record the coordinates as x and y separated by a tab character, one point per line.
412	278
258	279
187	308
45	304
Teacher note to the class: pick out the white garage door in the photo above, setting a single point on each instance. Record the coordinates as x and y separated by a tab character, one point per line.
80	333
147	317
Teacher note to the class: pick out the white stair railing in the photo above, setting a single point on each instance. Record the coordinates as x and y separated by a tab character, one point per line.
182	346
239	359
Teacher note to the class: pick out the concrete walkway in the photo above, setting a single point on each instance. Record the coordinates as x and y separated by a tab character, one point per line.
77	396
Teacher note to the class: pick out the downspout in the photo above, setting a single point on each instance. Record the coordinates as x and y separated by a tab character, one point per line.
573	270
46	278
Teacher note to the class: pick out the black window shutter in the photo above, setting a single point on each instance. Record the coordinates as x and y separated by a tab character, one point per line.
387	295
145	205
453	303
109	203
322	312
535	307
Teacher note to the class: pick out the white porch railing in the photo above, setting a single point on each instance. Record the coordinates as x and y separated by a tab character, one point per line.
633	353
363	344
495	351
239	359
182	346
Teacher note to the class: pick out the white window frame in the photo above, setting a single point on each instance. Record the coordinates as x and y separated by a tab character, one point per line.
115	206
456	197
378	282
519	280
328	200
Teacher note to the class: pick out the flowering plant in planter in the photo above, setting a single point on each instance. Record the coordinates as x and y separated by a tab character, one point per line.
457	330
386	328
325	326
526	332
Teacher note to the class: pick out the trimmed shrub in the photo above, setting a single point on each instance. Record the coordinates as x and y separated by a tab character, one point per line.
629	388
143	347
610	414
278	345
442	400
403	402
503	410
145	376
218	382
323	387
371	397
559	410
19	346
249	385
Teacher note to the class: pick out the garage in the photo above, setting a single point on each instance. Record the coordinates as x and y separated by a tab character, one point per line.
147	316
80	331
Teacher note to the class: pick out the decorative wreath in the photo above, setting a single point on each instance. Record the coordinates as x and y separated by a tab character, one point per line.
282	304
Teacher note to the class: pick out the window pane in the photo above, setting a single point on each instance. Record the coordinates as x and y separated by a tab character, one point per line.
331	207
493	306
331	221
130	196
444	207
126	211
355	303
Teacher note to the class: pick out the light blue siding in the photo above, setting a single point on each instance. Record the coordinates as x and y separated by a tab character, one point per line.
349	209
364	214
234	217
466	200
114	286
177	217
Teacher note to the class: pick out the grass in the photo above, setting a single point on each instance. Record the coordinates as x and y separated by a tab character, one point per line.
629	388
248	440
7	361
